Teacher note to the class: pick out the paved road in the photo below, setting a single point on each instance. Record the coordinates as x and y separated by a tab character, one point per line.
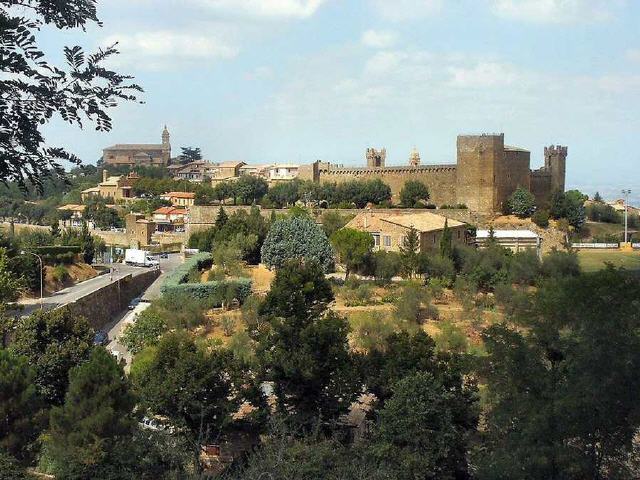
73	293
116	327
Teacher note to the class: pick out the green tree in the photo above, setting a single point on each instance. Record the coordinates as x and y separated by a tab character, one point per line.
333	221
560	390
409	252
413	192
223	191
221	219
190	154
353	247
446	241
20	407
145	331
87	244
34	89
190	385
296	237
422	432
283	194
53	341
521	203
598	198
10	284
250	189
104	217
88	434
305	350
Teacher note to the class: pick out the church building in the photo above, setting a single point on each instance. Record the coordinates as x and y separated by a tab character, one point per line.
133	154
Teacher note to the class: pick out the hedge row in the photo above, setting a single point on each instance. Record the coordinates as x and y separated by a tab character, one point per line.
56	249
213	293
180	274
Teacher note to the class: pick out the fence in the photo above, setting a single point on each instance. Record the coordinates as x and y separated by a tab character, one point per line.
596	245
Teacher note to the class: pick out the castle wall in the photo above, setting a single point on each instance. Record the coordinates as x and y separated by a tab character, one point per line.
441	179
512	171
541	186
478	157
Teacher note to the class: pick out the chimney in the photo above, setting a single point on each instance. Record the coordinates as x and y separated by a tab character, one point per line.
104	174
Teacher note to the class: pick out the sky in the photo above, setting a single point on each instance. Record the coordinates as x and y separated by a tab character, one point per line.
293	81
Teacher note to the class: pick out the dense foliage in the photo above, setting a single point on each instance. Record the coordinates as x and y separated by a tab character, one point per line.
296	237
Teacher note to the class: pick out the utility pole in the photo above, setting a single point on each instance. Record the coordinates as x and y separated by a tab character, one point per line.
626	193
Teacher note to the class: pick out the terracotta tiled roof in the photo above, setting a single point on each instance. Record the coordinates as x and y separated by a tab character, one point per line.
423	221
136	146
180	195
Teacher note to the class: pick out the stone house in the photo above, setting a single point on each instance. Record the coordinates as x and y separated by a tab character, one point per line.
180	199
282	172
115	187
226	171
194	171
390	229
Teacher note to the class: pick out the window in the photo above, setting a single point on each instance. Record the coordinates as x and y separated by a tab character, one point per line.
386	239
376	239
458	234
434	238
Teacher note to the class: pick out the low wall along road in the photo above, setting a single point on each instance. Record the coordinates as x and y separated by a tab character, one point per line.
101	306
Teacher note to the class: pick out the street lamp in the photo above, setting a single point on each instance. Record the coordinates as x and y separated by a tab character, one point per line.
626	193
24	252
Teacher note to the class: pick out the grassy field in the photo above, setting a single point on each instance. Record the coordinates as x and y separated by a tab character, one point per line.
592	260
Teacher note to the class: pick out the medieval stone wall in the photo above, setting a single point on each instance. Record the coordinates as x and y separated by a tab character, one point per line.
541	186
512	171
101	306
441	179
478	159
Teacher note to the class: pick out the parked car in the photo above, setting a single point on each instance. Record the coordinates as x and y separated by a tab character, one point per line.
101	338
156	424
164	255
134	303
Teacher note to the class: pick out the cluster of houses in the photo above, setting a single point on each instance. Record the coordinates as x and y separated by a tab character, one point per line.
203	171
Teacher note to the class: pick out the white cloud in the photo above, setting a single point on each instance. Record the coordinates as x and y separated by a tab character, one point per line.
401	10
161	50
265	8
484	74
378	38
556	11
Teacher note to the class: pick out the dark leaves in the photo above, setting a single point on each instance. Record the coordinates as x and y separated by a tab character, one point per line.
32	91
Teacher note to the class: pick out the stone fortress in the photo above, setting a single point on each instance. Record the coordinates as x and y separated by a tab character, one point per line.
486	173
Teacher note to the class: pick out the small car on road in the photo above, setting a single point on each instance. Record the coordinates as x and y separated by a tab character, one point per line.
134	303
101	338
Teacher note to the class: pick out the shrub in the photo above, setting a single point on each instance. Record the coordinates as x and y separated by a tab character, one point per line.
559	264
242	347
408	306
521	203
524	267
451	338
228	324
181	273
59	273
214	293
370	330
541	218
386	266
436	287
359	296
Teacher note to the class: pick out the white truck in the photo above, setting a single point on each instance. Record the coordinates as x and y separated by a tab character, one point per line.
139	258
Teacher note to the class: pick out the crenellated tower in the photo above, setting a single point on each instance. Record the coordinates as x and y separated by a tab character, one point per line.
555	162
376	158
